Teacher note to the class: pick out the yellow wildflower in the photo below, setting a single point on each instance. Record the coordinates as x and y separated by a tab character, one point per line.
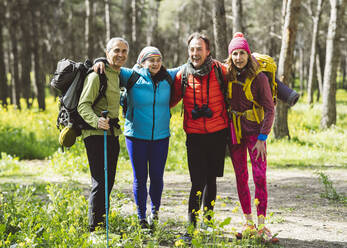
218	197
179	243
256	202
235	209
198	193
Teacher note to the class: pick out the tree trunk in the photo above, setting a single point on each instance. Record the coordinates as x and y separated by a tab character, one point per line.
311	73
219	29
237	16
285	64
88	35
319	77
26	54
3	77
13	32
153	22
332	51
37	44
127	28
301	68
107	20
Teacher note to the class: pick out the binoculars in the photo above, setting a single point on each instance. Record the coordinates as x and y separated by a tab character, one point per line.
204	111
286	94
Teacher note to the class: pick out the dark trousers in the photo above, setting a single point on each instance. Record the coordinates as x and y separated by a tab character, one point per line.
95	152
147	157
206	153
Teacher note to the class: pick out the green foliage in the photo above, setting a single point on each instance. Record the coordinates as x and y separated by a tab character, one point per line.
27	220
8	165
28	134
42	215
329	190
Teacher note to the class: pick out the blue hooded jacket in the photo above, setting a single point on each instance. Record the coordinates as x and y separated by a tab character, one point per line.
148	112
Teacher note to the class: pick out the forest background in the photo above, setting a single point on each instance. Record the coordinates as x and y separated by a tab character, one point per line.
40	201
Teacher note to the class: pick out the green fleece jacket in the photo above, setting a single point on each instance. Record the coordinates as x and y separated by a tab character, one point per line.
111	102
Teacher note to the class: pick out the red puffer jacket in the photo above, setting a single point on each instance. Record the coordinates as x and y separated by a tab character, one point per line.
219	119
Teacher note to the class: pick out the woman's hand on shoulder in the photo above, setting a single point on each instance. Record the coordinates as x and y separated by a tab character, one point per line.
99	66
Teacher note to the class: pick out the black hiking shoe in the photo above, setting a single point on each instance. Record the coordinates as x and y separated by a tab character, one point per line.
144	224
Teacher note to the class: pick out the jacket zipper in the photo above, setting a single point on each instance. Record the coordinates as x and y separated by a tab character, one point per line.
202	102
155	90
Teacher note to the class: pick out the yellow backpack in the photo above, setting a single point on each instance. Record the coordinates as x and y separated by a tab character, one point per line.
267	65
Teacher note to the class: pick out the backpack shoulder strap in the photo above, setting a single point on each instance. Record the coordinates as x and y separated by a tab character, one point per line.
102	89
222	82
184	80
132	80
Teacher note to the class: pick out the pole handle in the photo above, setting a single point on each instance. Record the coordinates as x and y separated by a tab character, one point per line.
104	113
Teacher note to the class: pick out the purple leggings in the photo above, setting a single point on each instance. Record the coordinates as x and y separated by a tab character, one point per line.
238	155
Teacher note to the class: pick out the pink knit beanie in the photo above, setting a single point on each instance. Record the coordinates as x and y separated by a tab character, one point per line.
238	42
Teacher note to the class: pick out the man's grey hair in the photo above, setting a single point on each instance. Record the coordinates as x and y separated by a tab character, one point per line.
112	41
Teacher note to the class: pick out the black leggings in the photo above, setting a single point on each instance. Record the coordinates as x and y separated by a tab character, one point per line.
206	154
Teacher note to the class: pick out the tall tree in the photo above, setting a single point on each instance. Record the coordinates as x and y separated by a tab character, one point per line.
329	82
107	20
152	31
127	29
88	28
219	29
3	77
237	16
36	17
25	58
315	24
292	11
14	18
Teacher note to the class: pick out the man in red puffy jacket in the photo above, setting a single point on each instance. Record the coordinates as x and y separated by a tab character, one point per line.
205	123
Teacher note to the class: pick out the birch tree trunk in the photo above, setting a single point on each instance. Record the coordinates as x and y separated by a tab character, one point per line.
128	27
3	77
219	29
330	70
315	20
88	29
285	64
107	21
237	16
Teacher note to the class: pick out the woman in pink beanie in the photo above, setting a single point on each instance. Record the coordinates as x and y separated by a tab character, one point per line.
252	130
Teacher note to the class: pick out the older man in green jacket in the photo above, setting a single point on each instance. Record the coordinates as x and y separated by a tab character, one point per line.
116	53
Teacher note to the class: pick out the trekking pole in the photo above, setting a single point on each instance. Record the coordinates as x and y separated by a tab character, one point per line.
104	114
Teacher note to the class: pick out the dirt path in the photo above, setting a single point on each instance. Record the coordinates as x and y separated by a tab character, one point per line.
300	216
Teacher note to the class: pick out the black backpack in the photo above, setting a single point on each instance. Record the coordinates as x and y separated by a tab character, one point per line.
68	80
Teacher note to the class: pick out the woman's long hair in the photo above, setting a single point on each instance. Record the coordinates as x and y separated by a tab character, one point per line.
250	68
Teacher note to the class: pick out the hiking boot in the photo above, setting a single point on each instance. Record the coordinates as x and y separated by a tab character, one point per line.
266	236
144	224
152	220
247	230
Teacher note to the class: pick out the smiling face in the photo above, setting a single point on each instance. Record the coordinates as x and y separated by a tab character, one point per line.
198	52
117	55
153	64
240	58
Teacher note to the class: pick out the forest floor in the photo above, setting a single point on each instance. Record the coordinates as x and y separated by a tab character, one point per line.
301	217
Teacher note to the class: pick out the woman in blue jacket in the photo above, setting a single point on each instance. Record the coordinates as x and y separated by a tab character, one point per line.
147	128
